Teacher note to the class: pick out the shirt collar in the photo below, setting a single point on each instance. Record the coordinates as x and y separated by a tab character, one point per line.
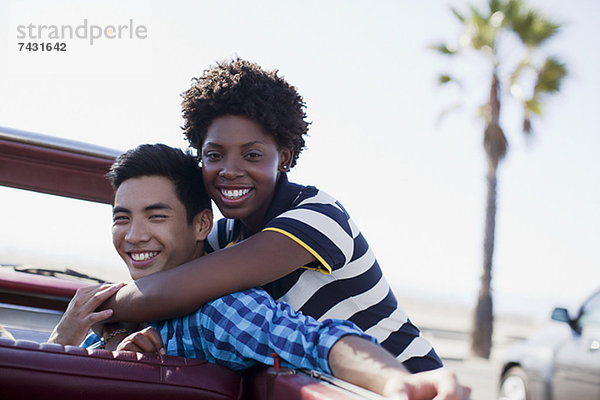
283	198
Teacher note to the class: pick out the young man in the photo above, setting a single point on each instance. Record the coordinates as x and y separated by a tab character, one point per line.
161	216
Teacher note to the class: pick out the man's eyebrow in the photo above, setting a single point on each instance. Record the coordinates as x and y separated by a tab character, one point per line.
155	206
119	209
158	206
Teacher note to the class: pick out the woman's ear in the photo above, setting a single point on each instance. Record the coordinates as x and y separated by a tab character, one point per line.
203	223
285	159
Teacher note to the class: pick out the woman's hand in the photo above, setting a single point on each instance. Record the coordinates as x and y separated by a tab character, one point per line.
81	314
147	340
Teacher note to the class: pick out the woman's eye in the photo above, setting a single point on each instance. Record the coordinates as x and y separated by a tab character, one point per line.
253	155
211	156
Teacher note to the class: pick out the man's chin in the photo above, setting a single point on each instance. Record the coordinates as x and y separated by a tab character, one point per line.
137	273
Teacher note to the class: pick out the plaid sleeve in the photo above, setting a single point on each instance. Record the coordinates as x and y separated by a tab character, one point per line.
244	328
92	341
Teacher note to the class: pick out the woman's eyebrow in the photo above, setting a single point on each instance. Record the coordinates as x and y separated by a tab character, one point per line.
253	142
213	144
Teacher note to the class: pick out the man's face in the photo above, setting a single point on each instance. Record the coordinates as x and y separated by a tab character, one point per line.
150	229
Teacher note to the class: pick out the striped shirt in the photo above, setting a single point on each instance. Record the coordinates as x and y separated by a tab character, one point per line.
345	281
243	329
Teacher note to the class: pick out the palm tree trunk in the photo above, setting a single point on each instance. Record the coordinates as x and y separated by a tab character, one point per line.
481	338
495	146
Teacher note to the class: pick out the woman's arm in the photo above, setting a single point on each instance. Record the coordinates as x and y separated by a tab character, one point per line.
260	259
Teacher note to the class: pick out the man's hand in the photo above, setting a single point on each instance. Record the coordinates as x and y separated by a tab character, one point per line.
80	315
147	340
366	364
439	384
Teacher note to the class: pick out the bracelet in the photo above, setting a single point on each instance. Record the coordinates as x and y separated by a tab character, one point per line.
117	332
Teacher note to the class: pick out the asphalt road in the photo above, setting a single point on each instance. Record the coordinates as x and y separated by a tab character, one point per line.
481	375
448	328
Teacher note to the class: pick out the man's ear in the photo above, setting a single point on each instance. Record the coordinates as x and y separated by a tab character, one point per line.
203	222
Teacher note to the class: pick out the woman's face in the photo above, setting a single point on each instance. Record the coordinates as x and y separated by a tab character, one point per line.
241	164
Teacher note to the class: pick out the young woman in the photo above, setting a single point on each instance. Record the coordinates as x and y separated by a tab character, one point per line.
296	241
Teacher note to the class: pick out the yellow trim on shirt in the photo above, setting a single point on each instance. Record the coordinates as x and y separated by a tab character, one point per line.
326	268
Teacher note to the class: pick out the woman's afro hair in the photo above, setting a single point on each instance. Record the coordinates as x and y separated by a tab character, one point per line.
240	87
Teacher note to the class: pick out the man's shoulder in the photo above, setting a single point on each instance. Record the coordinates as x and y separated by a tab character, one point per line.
231	308
223	234
246	298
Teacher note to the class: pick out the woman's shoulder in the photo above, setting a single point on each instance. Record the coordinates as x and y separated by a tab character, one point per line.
311	196
313	205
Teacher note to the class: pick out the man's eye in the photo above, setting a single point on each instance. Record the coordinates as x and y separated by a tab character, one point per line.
120	219
158	216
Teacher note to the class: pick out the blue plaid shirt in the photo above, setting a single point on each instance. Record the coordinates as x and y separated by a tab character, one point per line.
242	329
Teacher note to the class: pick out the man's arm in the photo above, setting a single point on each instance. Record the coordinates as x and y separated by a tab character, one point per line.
80	315
245	328
366	364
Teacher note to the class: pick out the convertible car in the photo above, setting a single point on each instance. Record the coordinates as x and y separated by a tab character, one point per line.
32	300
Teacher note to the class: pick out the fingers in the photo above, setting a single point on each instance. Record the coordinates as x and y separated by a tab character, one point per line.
80	314
449	387
154	337
440	384
147	340
99	316
89	298
105	291
127	345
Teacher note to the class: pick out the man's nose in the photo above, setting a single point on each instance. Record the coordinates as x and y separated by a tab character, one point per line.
137	232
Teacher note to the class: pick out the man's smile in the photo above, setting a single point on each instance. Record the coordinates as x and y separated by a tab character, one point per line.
141	256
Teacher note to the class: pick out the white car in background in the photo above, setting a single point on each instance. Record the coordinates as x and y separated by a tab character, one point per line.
561	362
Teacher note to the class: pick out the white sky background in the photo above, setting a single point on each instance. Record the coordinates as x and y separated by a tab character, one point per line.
415	188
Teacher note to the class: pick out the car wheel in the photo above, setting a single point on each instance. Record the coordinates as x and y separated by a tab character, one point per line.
513	385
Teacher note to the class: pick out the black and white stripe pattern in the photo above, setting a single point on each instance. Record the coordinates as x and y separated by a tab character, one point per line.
348	283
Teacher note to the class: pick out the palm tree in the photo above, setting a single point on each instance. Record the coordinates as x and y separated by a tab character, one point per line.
510	36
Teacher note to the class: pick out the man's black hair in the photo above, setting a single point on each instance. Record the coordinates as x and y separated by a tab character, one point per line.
242	88
161	160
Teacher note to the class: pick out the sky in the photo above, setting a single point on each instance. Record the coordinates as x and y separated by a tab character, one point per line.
415	185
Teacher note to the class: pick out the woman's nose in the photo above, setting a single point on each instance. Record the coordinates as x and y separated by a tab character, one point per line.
231	169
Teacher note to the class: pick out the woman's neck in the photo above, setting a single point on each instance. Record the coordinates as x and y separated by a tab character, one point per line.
247	230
